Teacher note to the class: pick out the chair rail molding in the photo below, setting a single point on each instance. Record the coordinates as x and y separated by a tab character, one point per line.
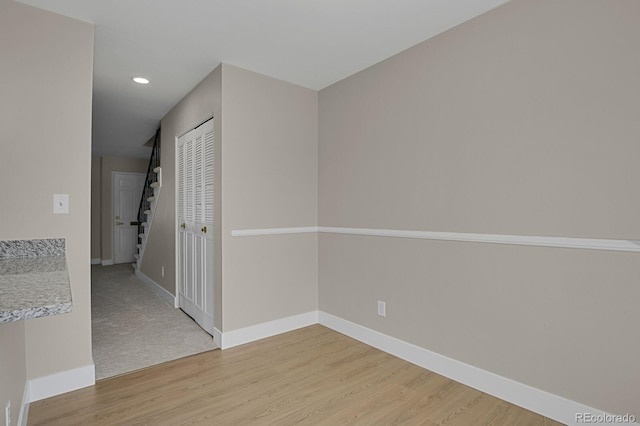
525	240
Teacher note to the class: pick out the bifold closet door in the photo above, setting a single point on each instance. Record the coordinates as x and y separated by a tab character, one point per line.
195	168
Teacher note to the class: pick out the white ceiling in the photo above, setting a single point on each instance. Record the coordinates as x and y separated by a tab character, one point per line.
312	43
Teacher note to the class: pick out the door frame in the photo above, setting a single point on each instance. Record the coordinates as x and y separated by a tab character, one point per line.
176	224
113	208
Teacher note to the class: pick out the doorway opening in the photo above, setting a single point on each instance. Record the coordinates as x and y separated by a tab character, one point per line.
126	192
133	328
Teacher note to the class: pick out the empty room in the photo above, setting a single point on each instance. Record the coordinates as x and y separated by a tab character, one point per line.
408	212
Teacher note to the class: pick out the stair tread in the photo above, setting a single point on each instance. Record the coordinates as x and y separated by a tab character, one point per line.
155	185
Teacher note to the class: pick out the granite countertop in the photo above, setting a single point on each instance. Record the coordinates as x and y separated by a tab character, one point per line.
34	281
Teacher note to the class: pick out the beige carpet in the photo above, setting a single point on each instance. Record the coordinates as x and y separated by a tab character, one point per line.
133	328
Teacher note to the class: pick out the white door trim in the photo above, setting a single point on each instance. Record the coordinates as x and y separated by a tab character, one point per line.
195	242
113	212
176	236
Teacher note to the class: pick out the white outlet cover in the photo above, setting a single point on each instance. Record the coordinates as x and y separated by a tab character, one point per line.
60	203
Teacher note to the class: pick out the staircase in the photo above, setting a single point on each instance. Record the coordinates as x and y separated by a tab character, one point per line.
149	199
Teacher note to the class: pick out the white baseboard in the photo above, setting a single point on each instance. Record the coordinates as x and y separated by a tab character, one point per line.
96	261
62	382
158	289
24	407
536	400
107	262
217	337
241	336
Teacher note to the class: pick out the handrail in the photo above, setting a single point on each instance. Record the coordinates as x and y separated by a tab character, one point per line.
154	162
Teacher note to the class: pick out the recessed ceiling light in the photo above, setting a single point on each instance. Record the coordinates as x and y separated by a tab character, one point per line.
140	80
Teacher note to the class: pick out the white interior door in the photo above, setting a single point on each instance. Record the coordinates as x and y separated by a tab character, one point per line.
195	175
127	190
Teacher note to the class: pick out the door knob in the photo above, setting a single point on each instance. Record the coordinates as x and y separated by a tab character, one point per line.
204	229
118	223
183	226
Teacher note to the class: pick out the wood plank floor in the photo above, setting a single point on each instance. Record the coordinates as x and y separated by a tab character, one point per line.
309	376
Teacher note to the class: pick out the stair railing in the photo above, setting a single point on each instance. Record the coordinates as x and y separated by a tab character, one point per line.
147	192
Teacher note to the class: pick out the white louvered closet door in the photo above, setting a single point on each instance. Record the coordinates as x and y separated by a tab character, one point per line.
195	168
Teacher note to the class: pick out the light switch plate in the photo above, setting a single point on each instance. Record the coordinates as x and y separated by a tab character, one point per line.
60	203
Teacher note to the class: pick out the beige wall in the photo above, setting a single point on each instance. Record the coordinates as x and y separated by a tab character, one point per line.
522	121
269	178
45	105
109	165
96	213
13	367
200	104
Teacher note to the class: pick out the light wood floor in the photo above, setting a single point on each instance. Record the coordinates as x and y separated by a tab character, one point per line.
308	376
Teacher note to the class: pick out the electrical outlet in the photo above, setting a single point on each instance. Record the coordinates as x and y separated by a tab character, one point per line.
162	271
7	413
382	308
